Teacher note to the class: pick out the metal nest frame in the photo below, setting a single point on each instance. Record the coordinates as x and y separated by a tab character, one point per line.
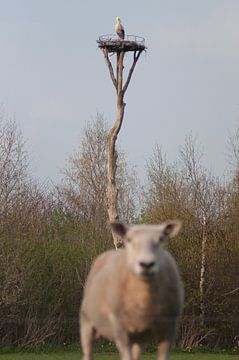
113	43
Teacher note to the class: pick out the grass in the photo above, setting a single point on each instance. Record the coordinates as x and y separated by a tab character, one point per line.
77	356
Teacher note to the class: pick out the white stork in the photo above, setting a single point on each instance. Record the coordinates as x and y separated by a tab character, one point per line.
119	29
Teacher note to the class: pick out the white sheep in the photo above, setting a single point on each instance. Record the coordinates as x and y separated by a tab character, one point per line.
133	295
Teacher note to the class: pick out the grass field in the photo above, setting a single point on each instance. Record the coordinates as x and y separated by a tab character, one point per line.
77	356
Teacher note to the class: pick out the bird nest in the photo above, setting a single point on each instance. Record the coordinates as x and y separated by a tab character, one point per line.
114	44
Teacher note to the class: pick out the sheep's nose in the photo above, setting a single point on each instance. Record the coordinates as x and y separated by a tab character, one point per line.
146	265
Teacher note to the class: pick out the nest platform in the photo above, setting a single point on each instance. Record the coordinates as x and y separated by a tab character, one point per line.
113	44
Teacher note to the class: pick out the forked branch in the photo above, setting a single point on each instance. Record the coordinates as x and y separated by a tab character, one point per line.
112	191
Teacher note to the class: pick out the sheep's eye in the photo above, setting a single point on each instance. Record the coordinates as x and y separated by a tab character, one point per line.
155	244
159	240
127	239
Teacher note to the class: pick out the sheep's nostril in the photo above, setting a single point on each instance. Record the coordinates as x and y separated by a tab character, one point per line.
146	265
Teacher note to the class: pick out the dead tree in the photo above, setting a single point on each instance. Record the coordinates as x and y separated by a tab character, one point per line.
111	45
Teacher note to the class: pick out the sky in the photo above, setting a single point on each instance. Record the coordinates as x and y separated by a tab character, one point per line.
53	78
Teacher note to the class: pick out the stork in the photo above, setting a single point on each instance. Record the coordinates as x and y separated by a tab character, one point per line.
119	29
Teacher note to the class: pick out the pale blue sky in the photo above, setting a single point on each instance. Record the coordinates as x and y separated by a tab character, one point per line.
53	78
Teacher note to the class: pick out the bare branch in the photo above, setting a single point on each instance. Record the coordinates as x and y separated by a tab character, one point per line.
136	58
106	55
231	292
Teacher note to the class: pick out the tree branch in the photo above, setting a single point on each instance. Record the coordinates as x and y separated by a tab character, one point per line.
136	58
232	292
106	55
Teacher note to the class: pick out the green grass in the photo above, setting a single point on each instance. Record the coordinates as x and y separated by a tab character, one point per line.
77	356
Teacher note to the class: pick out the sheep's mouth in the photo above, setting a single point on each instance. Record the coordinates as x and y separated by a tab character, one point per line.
147	274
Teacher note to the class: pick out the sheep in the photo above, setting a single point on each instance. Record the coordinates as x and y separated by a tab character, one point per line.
134	294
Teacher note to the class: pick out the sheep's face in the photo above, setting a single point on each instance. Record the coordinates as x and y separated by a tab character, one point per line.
144	245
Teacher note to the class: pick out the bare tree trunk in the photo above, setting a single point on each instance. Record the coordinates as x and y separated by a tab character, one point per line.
202	272
112	192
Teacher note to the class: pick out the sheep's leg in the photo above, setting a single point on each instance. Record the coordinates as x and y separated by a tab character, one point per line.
121	338
136	351
123	346
163	350
87	336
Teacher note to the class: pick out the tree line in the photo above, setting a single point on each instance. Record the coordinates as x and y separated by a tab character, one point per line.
49	235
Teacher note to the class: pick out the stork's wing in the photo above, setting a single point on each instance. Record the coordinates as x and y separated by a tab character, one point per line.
119	29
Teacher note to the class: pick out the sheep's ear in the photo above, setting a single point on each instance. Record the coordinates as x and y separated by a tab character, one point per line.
119	229
171	228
